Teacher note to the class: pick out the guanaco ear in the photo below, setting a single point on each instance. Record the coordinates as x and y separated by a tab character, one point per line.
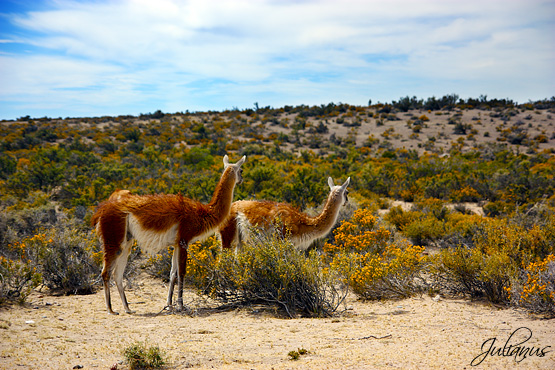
241	161
330	182
344	186
226	161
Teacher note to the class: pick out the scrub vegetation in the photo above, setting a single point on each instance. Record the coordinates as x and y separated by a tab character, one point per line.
475	178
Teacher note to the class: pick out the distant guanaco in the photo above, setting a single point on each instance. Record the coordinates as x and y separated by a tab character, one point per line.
156	222
299	227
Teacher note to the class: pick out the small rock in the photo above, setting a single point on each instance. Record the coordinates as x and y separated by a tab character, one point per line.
29	322
78	367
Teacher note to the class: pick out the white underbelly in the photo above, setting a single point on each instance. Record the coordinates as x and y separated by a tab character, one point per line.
152	241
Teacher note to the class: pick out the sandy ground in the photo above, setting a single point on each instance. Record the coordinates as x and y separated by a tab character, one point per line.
418	333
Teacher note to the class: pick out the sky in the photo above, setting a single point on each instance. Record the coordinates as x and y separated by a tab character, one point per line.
69	58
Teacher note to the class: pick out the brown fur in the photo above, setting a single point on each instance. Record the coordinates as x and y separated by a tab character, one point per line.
157	221
301	228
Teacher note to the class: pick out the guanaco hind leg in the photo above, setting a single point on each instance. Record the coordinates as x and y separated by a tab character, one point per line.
106	281
119	269
179	266
116	267
173	277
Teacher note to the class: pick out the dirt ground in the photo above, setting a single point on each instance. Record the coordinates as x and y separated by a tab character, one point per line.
419	333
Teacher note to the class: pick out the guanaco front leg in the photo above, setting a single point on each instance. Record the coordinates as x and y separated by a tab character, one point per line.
181	270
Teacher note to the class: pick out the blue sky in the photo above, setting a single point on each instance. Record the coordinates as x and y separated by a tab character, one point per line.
66	58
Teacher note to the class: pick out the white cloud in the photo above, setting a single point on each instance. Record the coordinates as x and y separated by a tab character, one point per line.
219	54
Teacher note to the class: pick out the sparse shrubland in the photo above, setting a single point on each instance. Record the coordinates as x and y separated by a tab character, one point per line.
53	173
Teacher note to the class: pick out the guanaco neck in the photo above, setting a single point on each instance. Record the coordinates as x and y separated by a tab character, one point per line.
220	204
325	220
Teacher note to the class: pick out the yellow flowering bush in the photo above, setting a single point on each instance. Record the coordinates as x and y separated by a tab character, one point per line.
159	265
63	258
466	194
536	289
359	234
371	262
202	258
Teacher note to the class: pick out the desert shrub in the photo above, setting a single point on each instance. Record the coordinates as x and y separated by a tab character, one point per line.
372	263
295	355
461	128
141	356
496	208
491	257
471	272
268	271
466	194
159	265
400	218
202	258
18	273
69	260
425	230
521	244
535	287
7	166
24	218
359	234
424	225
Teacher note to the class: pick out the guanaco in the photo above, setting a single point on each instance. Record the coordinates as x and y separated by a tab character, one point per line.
299	227
156	222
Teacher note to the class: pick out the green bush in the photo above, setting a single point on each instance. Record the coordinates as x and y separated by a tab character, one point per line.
470	272
67	260
141	356
273	272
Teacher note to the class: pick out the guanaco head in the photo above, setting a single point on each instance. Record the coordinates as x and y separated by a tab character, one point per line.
339	192
235	168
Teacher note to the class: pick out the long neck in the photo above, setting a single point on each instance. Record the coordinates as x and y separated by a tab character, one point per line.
326	219
220	204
